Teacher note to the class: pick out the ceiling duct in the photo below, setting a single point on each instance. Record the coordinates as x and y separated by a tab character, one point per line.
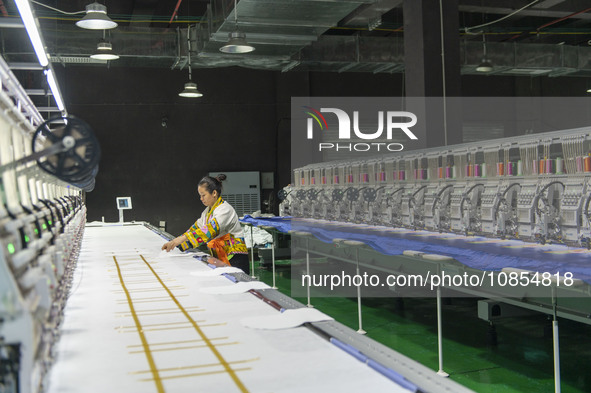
278	28
528	59
370	15
161	47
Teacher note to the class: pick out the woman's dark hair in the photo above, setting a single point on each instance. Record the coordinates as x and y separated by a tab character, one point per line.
212	184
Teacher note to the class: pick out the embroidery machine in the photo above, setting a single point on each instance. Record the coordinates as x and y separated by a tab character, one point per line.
532	188
42	217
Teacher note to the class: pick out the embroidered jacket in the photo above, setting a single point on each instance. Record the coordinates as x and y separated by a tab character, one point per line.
216	222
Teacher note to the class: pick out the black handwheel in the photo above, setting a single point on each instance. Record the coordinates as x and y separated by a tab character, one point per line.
282	194
86	184
337	195
75	163
352	194
370	194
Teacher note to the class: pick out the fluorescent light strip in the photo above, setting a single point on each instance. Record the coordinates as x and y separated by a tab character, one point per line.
24	8
54	89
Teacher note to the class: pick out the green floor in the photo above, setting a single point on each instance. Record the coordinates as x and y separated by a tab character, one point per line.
520	362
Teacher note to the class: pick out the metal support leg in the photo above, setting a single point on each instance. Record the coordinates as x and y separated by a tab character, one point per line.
273	258
272	231
555	345
252	255
440	372
308	271
360	330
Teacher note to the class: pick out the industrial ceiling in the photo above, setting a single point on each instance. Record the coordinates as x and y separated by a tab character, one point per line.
532	38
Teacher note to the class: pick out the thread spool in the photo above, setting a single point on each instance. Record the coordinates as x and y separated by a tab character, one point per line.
587	163
440	172
476	170
364	177
448	173
483	169
519	168
382	176
550	166
323	179
313	180
402	175
509	169
336	179
500	169
559	166
579	164
454	172
542	167
535	166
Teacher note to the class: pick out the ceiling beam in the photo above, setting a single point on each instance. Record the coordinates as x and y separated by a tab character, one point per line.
25	66
15	23
526	12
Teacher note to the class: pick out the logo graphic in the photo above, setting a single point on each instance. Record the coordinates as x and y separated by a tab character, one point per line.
391	119
316	115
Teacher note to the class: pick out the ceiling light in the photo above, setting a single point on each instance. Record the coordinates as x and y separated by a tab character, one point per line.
55	91
190	91
485	66
24	9
104	51
96	18
237	43
236	39
588	90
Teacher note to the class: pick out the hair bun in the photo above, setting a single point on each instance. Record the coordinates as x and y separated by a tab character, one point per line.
221	177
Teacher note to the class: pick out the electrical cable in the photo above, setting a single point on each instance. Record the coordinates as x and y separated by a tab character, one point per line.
467	29
58	10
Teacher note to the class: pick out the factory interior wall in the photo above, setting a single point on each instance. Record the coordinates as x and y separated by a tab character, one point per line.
231	128
241	124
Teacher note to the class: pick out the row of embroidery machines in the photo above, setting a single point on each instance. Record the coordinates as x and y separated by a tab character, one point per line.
41	224
532	187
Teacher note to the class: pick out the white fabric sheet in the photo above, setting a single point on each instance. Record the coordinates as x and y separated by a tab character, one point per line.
286	320
239	287
186	340
259	236
218	271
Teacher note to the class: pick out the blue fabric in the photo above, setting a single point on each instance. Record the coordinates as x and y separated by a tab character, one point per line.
476	252
283	224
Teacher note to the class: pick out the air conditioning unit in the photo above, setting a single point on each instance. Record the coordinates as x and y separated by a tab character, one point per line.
242	190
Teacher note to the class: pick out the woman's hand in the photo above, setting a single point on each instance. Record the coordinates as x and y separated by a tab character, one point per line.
169	246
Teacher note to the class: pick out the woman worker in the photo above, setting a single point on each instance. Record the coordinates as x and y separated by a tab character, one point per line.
218	227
